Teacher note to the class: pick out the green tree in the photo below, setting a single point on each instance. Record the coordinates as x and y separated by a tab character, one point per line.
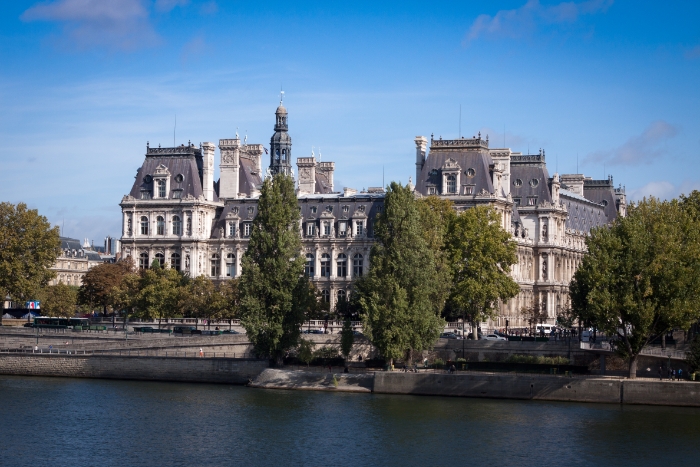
347	338
100	281
481	254
402	295
693	358
231	291
160	292
204	299
273	290
59	300
305	353
29	246
641	276
125	297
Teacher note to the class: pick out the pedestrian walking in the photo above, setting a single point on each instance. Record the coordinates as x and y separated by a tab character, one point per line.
201	352
660	374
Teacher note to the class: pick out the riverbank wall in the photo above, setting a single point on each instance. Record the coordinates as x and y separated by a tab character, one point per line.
494	386
181	369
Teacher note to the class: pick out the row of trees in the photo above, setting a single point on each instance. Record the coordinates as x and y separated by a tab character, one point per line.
641	275
430	262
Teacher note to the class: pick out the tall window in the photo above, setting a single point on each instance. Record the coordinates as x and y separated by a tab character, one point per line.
309	266
177	225
161	188
144	225
342	265
215	265
128	226
326	295
161	259
342	226
359	228
231	229
357	265
325	265
451	184
230	265
143	260
341	296
246	229
310	229
326	228
189	226
175	261
284	154
160	225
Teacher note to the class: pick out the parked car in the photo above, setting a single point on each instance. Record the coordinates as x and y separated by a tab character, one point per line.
449	335
471	335
493	337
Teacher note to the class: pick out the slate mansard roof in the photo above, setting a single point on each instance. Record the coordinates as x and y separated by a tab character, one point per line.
182	160
468	154
529	178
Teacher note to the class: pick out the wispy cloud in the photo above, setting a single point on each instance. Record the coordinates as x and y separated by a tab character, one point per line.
525	20
663	189
167	5
641	149
114	24
693	53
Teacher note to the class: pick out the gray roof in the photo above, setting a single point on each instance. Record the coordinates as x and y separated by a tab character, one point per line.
187	165
602	192
528	180
583	215
249	178
466	159
323	185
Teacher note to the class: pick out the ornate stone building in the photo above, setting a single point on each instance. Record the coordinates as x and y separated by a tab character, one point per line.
74	262
178	214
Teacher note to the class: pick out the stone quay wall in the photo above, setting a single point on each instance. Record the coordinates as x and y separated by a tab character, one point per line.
189	369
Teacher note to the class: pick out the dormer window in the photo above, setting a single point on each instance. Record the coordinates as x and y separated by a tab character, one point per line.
346	208
451	184
532	201
431	190
161	188
313	209
469	190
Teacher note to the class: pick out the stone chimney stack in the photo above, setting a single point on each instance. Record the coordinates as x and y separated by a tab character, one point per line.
208	150
327	169
574	182
229	166
421	147
306	167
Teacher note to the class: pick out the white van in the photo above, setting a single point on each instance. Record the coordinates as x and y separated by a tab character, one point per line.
547	329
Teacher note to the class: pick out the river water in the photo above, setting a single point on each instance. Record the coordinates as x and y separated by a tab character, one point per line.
82	422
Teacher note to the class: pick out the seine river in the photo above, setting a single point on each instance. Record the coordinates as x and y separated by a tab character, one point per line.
73	422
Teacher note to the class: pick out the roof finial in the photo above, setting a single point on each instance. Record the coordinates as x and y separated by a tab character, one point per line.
237	133
281	95
319	153
312	151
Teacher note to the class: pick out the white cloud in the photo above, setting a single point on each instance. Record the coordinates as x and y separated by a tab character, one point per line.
664	190
641	149
167	5
115	24
525	20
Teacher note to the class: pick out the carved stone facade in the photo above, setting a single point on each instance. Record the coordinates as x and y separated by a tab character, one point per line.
176	214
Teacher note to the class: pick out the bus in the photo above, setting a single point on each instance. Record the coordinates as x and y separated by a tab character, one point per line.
61	323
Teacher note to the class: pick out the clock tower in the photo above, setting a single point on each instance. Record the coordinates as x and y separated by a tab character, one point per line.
281	144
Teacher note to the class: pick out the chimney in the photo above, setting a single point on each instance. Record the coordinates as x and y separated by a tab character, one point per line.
306	173
573	182
208	170
327	169
421	146
230	150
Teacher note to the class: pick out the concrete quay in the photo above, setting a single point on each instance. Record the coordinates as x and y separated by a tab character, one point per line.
494	386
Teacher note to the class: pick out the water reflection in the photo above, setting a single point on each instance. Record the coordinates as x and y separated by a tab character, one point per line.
96	422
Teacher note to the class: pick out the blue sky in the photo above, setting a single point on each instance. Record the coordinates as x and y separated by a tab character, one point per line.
85	84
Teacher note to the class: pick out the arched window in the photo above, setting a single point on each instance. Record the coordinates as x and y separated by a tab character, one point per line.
341	296
357	265
326	295
284	155
277	154
160	225
144	225
215	265
143	260
325	265
309	266
177	225
161	188
161	259
175	261
451	184
230	265
342	265
128	226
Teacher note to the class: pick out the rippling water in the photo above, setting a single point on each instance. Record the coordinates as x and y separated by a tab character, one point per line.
74	422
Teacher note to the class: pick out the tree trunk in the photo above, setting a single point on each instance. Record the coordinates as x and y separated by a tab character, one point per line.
663	341
475	331
633	366
391	364
279	360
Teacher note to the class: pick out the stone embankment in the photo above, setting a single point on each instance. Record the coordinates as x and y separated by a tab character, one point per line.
495	386
190	369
